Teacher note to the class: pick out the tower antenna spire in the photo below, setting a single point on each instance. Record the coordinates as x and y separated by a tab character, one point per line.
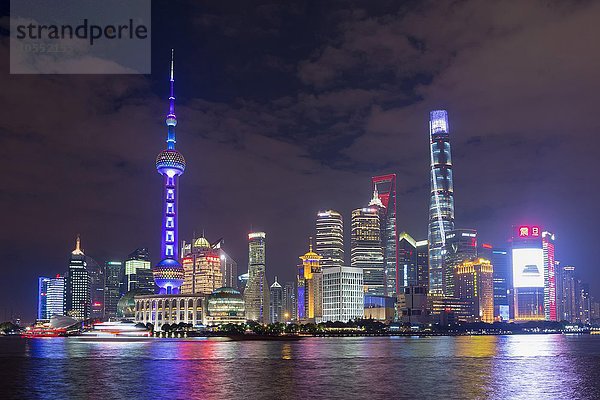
171	118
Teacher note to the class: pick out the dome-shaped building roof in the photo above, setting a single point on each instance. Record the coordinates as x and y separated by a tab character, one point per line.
126	304
202	243
225	290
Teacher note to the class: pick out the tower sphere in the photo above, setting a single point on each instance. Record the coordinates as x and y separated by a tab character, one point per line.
168	274
170	161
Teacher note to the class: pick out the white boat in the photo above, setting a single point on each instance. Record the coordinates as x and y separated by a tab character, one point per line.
115	329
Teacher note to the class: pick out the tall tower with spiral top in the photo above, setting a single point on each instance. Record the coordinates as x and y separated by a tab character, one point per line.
168	273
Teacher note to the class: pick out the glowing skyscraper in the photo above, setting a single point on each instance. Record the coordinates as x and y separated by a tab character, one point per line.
330	238
385	187
441	208
256	292
168	273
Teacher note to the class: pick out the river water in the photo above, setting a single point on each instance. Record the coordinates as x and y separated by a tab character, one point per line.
479	367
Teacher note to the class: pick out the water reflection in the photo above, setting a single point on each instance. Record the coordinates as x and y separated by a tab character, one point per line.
499	367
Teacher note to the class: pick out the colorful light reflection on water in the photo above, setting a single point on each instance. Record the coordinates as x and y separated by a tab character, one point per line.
498	367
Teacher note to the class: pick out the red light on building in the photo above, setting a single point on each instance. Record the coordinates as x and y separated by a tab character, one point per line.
486	246
529	231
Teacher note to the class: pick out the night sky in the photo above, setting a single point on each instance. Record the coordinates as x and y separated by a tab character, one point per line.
287	109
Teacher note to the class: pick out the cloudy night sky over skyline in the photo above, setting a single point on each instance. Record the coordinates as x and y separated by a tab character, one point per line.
286	109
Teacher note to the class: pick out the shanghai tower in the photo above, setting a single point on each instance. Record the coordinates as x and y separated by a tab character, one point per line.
441	207
168	273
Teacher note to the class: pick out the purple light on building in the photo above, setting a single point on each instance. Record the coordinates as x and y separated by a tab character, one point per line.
168	273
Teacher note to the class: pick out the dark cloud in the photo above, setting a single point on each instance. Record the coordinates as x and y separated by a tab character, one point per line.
287	109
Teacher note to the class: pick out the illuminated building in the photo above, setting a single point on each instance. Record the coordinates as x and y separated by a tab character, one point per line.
276	302
168	273
310	287
137	269
379	308
585	305
330	238
568	294
242	282
343	294
256	293
225	306
528	273
114	273
407	261
441	208
423	263
51	297
77	285
450	309
550	311
229	270
202	269
157	309
501	261
366	251
290	305
461	245
385	187
97	282
412	304
474	282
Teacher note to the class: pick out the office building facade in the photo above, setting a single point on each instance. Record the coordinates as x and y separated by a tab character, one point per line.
366	249
441	208
329	239
343	294
256	293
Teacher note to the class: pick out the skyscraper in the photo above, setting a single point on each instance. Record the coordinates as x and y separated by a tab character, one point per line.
366	251
276	302
113	272
77	290
256	293
51	297
42	293
168	273
202	269
229	269
310	287
461	245
290	305
570	294
137	266
407	261
528	273
385	187
330	238
423	263
474	283
502	271
441	208
550	311
97	282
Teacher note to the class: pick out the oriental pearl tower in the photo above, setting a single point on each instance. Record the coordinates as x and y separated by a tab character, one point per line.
168	274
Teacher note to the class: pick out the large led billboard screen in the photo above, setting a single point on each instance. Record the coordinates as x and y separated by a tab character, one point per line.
528	268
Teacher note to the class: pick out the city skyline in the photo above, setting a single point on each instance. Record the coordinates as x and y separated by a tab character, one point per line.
483	195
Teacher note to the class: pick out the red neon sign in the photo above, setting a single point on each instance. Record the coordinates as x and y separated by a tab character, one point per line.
529	231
